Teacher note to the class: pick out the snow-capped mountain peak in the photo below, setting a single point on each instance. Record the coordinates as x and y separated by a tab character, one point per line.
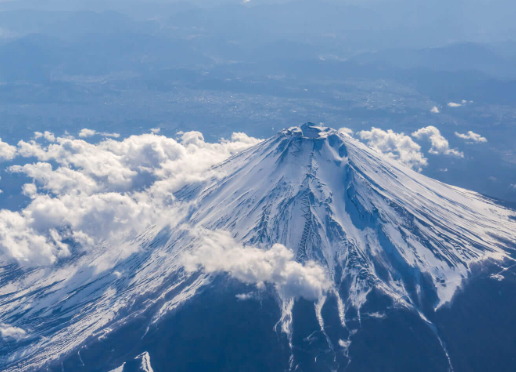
334	200
309	130
312	211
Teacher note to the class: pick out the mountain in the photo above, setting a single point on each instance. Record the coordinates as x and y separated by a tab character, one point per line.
310	252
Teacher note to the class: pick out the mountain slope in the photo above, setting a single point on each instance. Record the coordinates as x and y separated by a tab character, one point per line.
333	200
389	240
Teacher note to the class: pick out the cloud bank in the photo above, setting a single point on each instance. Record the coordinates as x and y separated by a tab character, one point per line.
395	145
84	193
219	252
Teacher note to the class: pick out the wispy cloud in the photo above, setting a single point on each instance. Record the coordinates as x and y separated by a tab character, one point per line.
346	131
85	133
471	137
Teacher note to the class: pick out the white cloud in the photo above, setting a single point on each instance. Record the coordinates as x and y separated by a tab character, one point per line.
113	135
395	145
7	331
453	104
497	277
246	296
49	136
219	252
440	144
346	131
89	192
434	110
513	186
155	130
471	137
30	190
7	152
85	133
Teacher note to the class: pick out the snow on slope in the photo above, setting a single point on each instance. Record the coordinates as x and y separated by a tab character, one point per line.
366	219
145	363
334	200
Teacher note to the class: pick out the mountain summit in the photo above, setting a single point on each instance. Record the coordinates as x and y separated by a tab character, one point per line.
369	220
309	251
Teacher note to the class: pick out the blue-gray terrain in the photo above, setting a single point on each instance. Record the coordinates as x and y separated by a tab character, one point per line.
257	67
